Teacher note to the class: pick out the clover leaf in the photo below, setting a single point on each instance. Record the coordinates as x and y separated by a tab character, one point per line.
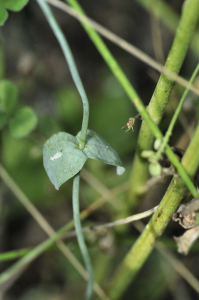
13	5
22	122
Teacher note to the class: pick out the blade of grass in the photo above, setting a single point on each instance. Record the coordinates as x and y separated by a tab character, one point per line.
14	254
157	224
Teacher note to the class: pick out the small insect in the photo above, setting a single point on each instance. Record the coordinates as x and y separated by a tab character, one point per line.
129	124
56	156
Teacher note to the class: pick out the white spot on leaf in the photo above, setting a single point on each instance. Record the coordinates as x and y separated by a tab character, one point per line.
56	156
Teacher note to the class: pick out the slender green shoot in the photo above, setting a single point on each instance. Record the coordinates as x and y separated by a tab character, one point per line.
71	63
174	119
80	236
69	58
14	254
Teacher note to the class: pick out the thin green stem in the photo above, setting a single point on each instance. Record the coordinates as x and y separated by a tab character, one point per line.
14	254
80	236
175	116
71	63
160	219
69	58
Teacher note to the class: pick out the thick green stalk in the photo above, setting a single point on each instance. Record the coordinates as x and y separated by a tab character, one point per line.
80	237
161	96
145	243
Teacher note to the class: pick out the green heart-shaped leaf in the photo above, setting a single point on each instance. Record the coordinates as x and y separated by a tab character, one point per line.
62	158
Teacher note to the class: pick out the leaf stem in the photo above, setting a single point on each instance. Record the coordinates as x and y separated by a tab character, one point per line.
80	236
71	63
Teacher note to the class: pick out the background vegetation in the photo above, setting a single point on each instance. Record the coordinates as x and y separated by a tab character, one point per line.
33	60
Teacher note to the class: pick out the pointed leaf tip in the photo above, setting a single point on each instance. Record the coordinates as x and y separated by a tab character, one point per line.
97	148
